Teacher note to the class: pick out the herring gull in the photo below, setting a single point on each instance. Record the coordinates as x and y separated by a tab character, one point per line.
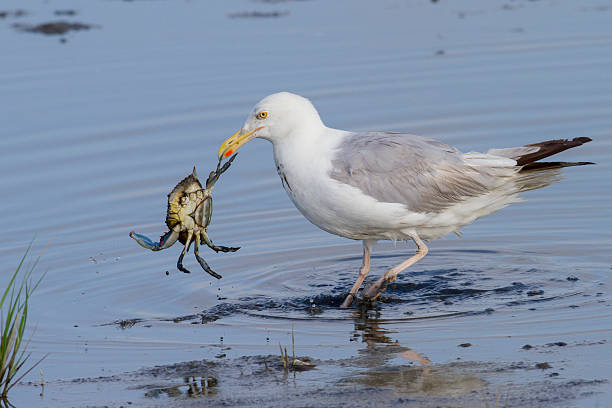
372	186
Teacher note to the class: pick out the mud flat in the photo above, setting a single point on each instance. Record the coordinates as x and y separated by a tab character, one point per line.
262	381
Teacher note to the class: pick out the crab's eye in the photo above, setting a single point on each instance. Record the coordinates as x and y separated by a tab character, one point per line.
262	115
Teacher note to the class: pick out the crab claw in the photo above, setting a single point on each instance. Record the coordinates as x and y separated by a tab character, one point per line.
214	175
165	241
227	164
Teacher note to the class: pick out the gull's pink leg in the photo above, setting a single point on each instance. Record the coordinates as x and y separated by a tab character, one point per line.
363	272
381	284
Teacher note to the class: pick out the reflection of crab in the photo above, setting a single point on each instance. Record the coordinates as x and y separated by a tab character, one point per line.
188	216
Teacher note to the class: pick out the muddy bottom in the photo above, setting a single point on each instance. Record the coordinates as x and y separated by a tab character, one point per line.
361	381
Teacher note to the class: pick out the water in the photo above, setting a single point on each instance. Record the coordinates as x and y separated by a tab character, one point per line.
96	130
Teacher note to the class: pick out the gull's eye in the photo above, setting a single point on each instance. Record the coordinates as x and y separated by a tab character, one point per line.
262	115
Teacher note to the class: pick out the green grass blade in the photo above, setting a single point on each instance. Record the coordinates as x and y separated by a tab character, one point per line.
11	285
14	305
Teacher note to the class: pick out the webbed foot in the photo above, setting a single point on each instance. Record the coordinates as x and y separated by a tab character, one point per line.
372	292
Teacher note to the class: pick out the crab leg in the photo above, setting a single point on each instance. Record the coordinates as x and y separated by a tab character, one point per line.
165	241
215	247
202	262
179	263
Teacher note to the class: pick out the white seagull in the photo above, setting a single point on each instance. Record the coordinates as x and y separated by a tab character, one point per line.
388	186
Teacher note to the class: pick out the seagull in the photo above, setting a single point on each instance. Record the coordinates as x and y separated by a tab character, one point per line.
373	186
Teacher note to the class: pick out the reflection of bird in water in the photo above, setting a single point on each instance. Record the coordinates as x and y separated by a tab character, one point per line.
379	358
380	346
388	186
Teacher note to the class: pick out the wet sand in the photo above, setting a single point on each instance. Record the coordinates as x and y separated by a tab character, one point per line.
97	129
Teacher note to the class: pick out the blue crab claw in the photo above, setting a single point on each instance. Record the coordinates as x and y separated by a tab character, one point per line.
165	241
214	175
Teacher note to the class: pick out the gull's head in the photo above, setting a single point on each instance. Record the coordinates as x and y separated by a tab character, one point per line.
274	118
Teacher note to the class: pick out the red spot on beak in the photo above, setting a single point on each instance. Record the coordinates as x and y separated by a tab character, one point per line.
229	153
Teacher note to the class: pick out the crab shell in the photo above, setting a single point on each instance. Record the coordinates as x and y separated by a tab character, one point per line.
189	184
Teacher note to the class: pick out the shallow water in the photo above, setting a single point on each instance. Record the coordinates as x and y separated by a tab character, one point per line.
96	130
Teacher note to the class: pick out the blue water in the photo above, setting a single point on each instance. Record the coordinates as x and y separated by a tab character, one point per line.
95	131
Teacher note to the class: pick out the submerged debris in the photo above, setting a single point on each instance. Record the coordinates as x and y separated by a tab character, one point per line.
53	28
13	13
127	323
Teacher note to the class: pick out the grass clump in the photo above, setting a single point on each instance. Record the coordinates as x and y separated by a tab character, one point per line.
14	316
292	363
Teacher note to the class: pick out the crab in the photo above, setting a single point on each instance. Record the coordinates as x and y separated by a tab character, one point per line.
188	215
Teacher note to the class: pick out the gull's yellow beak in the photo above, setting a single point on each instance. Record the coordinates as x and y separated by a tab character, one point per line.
233	143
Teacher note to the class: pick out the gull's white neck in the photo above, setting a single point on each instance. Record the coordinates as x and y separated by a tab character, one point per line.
308	148
303	161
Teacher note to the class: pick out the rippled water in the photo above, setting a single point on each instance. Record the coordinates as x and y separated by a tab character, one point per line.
96	130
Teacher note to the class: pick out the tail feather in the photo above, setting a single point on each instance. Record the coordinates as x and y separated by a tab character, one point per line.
548	148
551	165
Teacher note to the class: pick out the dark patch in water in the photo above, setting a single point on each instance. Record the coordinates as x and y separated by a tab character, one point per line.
53	28
66	12
259	14
124	324
438	291
13	13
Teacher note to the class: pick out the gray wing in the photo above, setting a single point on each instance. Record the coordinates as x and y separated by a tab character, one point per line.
423	174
